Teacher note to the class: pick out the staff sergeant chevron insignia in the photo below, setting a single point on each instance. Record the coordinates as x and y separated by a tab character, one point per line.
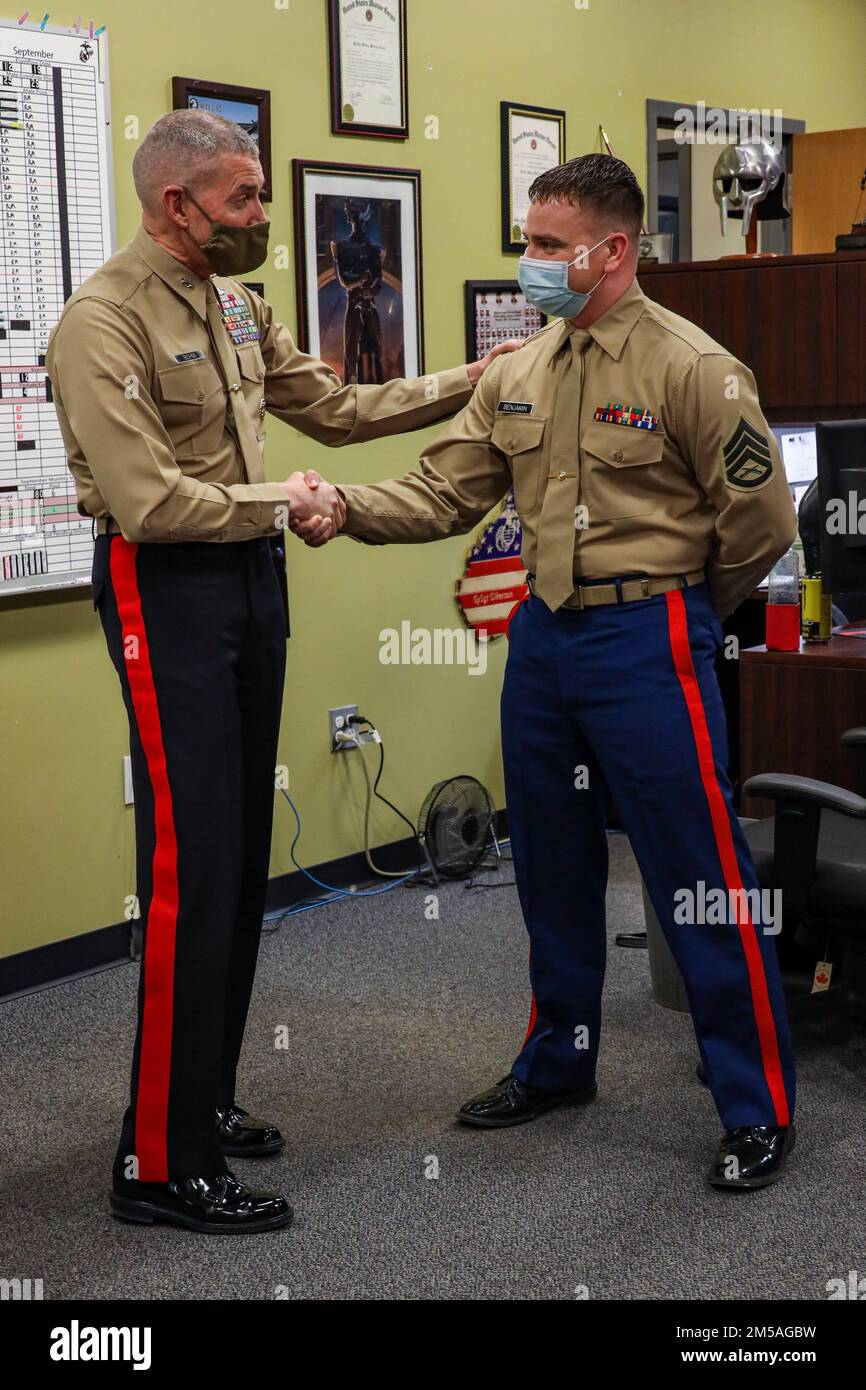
748	461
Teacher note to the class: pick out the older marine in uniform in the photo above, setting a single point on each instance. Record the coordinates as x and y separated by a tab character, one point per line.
163	368
652	500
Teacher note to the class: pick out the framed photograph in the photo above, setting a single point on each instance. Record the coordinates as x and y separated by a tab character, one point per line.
532	140
655	247
358	269
495	311
257	287
248	107
367	55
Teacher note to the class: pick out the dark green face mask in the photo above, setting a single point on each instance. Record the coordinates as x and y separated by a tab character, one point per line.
233	250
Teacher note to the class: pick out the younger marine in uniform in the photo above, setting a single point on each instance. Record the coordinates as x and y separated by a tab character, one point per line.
652	500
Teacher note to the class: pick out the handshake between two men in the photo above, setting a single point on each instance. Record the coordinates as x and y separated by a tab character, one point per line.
316	509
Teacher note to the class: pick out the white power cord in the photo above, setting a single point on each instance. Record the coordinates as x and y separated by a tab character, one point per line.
351	738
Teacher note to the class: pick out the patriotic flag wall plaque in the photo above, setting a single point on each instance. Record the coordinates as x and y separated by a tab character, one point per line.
494	580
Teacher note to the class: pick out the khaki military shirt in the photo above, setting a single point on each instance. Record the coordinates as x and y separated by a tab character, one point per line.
699	484
161	381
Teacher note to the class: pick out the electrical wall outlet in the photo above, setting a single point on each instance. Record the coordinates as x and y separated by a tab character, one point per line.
128	789
338	719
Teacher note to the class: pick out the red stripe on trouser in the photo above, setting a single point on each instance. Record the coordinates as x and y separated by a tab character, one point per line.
769	1043
533	1015
533	1008
151	1111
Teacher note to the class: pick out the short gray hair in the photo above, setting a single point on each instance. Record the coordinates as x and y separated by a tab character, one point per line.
184	147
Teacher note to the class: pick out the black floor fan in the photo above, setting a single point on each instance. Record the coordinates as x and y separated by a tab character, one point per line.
457	827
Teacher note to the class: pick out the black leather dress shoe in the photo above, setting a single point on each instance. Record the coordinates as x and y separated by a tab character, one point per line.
752	1156
221	1205
241	1136
510	1102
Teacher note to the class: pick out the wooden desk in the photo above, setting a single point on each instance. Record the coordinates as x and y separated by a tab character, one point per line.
794	708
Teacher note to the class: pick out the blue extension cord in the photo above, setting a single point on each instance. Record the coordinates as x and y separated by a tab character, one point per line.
334	893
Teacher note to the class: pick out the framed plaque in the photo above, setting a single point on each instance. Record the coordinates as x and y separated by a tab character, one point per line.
655	248
358	269
532	140
367	50
495	311
494	576
248	107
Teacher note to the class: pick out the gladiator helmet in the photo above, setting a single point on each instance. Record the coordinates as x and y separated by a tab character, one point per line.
743	176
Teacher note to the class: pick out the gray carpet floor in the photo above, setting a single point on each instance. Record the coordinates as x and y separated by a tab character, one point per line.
392	1020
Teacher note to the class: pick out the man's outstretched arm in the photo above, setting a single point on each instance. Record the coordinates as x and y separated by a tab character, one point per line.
461	475
303	392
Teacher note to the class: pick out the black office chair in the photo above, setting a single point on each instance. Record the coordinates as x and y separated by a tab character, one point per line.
814	850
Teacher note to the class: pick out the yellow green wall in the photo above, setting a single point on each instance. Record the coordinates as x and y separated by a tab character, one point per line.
66	840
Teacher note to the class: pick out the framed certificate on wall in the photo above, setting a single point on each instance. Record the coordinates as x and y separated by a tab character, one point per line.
497	310
532	140
367	49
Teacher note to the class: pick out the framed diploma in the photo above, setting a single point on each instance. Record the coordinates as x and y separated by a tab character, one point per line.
367	43
495	311
532	139
248	107
358	269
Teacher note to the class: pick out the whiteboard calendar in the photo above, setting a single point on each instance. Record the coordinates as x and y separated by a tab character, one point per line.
56	228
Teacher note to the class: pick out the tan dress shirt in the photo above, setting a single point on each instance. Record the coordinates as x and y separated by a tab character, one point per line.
161	389
699	484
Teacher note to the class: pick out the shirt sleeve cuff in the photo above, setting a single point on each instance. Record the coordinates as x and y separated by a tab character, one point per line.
349	529
455	382
271	496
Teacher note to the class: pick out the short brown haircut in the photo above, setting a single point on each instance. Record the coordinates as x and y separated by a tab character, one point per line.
598	183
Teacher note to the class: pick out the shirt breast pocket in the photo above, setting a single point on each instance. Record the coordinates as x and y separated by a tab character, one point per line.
620	471
193	406
521	439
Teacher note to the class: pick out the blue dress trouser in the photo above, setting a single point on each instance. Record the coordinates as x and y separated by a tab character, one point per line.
623	700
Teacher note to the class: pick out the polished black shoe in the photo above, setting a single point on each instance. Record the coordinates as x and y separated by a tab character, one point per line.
753	1156
510	1102
241	1136
637	940
220	1204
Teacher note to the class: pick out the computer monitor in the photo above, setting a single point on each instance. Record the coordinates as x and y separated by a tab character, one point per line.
798	447
842	504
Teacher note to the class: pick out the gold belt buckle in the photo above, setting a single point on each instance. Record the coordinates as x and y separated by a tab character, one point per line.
576	602
645	588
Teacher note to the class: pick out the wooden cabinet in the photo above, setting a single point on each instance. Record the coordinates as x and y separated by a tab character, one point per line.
794	709
851	333
799	323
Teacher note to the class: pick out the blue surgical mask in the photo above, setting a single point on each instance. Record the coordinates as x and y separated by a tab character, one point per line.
545	284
